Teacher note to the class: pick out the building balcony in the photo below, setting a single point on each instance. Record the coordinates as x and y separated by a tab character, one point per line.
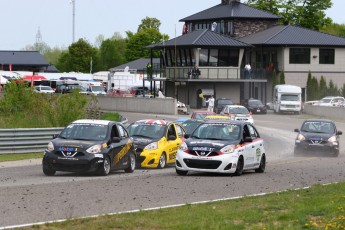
211	74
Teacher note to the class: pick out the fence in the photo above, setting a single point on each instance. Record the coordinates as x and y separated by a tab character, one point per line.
26	140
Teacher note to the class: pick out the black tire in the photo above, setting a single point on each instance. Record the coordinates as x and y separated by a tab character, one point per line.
239	168
162	161
262	165
47	169
181	172
104	170
131	163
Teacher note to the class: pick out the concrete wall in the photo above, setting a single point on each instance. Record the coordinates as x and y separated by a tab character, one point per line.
325	111
138	104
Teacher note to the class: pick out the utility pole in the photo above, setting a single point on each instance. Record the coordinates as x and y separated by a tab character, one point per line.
73	19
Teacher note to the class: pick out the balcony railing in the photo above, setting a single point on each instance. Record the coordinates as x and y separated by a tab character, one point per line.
210	73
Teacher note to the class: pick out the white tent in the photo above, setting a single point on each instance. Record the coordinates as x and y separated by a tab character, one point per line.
2	80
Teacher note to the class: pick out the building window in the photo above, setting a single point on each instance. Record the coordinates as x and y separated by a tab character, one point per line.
326	56
203	58
299	56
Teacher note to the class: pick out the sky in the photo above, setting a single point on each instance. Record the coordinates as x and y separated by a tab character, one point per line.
22	20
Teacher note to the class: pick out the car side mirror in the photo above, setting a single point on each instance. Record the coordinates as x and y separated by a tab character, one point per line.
55	136
248	139
296	130
116	139
339	132
186	136
171	138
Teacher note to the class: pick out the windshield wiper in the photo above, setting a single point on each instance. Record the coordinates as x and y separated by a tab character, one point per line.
140	136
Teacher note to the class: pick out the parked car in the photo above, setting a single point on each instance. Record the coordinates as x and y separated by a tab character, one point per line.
156	142
220	103
317	135
228	147
98	146
255	106
238	113
201	114
43	89
331	101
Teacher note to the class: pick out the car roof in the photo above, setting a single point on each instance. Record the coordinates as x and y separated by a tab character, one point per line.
153	121
91	121
203	111
217	117
225	121
235	106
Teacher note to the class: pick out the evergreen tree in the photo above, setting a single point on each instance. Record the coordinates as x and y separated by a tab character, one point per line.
342	91
323	88
309	88
332	89
274	80
315	92
282	78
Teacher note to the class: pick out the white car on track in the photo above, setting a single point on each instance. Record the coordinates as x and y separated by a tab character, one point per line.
220	146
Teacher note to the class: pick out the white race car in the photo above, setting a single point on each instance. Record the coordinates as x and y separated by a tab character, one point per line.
229	147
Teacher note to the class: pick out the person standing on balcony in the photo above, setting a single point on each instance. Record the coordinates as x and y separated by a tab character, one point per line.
195	72
247	71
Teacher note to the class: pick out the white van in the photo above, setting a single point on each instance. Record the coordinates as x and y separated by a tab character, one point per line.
287	98
95	87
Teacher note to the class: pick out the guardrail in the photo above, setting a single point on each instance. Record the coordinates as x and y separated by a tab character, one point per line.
26	140
30	140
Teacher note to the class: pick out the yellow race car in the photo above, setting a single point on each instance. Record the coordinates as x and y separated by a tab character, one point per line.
156	142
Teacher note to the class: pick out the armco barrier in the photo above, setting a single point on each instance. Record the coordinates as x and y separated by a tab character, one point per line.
325	111
26	140
29	140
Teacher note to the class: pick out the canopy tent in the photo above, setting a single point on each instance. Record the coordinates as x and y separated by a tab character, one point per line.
3	80
34	78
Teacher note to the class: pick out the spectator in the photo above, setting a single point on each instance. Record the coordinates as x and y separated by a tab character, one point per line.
247	71
195	72
210	102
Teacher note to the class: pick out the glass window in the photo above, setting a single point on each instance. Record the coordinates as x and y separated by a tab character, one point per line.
299	56
326	56
203	61
123	132
213	57
252	131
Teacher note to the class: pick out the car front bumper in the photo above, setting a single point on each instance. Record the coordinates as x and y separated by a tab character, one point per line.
225	163
306	147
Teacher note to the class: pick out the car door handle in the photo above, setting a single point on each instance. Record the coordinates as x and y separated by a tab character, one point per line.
253	146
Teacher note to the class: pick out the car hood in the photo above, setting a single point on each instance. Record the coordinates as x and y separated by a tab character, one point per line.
215	144
76	144
317	136
256	106
143	141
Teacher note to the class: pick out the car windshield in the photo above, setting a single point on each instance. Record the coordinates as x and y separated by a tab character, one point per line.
152	131
201	115
240	110
289	97
217	131
97	88
325	100
254	102
76	131
190	126
44	88
225	102
318	127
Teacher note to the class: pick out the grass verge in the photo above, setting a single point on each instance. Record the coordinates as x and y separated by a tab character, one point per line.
19	156
318	207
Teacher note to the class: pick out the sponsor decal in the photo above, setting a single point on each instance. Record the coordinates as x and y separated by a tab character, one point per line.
99	155
104	145
122	152
258	152
68	158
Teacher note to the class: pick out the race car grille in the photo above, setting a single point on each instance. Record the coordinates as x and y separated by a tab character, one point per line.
202	164
203	153
66	153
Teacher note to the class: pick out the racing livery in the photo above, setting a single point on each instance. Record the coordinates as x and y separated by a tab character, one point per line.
98	146
156	142
221	146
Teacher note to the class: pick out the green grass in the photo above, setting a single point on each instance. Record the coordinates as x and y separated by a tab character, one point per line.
318	207
19	156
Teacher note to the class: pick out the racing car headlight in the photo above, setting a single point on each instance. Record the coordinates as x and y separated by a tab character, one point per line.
183	147
300	137
50	146
152	146
228	149
94	149
332	139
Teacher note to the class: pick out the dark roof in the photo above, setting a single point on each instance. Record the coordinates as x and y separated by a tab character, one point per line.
139	64
232	10
202	38
293	35
29	58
